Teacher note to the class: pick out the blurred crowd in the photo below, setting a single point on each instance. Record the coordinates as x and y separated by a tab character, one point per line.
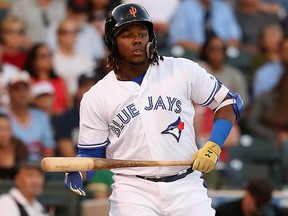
53	51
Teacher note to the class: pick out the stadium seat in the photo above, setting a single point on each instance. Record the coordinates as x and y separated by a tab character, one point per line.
255	156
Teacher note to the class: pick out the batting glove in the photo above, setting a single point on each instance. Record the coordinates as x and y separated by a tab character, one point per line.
74	182
206	158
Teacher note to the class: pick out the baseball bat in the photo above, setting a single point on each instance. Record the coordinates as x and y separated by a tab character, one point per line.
73	164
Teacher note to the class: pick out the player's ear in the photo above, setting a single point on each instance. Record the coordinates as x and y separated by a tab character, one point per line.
151	48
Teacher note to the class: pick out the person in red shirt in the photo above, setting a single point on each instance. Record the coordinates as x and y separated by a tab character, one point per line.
40	66
13	41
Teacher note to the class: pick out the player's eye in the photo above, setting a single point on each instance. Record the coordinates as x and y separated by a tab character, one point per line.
143	35
126	35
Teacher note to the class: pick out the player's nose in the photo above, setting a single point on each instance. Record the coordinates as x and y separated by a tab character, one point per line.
137	41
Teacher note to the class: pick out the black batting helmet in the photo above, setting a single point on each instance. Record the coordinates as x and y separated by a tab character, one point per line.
125	14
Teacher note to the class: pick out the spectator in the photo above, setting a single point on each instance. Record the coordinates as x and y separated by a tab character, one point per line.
67	125
161	20
213	58
257	201
37	15
98	11
78	12
30	125
99	186
6	71
194	20
4	7
269	43
277	7
268	76
40	66
68	62
252	20
222	176
43	96
12	150
269	116
285	26
12	31
22	198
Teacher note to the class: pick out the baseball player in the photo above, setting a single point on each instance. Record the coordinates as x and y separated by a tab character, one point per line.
143	110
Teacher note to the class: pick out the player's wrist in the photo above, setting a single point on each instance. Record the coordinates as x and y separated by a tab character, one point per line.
220	131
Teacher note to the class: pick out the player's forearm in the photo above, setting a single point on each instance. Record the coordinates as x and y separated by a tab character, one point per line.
227	113
223	122
96	152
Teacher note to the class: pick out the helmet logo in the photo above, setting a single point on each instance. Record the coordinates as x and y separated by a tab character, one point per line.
133	11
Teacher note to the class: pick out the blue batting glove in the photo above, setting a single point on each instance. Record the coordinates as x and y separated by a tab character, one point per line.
74	182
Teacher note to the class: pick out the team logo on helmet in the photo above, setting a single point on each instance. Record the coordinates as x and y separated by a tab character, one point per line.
175	129
133	11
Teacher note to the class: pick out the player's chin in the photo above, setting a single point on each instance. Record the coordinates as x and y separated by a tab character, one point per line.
139	60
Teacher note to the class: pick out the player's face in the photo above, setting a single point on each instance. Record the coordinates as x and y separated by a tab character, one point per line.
132	42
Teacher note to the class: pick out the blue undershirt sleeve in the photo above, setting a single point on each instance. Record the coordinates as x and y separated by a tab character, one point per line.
220	131
93	153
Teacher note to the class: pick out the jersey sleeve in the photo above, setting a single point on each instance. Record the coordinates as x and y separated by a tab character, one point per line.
202	85
93	129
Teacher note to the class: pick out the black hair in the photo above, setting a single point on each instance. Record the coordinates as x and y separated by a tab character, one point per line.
110	5
203	52
30	62
261	188
78	6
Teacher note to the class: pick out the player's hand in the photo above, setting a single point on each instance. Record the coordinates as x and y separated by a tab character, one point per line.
205	159
74	181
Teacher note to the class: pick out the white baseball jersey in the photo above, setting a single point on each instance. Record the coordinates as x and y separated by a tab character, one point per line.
151	121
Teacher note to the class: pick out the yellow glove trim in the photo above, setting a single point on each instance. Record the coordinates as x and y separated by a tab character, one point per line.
205	159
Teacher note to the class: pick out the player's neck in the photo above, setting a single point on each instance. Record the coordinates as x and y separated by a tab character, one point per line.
130	73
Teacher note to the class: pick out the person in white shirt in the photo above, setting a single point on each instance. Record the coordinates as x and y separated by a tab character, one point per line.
37	15
22	198
6	71
69	63
89	41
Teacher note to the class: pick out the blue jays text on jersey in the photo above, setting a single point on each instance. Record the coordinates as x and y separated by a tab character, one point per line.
130	111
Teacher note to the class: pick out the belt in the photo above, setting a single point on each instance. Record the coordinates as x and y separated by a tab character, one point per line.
171	178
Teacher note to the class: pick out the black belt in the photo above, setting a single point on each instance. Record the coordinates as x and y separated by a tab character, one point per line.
172	178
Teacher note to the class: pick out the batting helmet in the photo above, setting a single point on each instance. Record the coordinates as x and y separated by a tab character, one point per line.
125	14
